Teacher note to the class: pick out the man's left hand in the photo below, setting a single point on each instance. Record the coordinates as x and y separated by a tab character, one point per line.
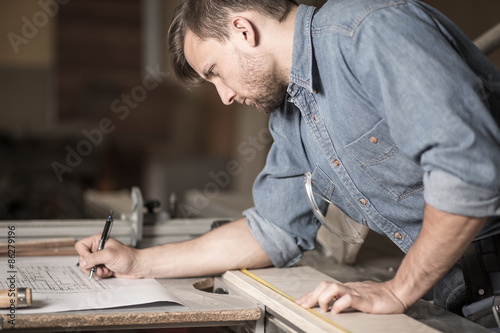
368	297
442	240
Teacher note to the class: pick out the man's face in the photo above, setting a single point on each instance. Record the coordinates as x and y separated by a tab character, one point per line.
237	75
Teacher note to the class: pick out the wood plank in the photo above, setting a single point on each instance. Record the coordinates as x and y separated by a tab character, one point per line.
133	319
200	308
38	244
298	281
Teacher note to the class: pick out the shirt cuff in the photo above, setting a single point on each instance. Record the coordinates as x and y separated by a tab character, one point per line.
450	194
278	245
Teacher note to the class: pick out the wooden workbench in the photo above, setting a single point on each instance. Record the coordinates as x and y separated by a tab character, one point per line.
424	317
201	308
248	303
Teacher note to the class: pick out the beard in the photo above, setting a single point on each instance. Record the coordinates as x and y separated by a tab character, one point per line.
265	88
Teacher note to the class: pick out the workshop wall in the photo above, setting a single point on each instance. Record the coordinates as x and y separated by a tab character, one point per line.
473	17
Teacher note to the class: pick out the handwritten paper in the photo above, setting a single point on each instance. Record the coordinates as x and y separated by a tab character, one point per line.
57	284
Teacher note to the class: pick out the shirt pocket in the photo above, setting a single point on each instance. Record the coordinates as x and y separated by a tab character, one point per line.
381	159
324	185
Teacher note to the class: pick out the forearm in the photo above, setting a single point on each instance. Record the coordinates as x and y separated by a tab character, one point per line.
231	246
441	242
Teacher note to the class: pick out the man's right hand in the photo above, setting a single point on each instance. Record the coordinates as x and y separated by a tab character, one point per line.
230	246
116	259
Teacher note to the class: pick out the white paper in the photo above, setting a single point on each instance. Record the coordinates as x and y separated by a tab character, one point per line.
57	284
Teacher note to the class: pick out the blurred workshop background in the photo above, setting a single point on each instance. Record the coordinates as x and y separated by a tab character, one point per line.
88	104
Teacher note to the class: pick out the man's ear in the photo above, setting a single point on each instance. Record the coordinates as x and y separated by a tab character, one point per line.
244	30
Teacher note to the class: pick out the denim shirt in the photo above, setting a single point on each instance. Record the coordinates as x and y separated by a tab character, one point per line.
389	106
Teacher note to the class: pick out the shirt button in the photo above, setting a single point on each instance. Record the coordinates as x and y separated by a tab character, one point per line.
314	118
336	162
315	91
373	139
397	235
363	202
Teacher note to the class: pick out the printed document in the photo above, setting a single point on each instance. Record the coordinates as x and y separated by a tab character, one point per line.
57	284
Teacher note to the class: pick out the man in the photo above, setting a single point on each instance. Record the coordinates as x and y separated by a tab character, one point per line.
375	100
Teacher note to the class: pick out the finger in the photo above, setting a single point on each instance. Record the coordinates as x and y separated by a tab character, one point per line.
87	245
83	246
306	300
311	299
90	260
100	271
104	256
352	300
82	263
103	272
99	258
343	303
332	293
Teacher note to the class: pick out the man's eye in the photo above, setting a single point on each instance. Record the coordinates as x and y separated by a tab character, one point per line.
211	71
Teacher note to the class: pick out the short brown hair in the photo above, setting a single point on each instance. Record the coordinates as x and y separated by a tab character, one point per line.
210	19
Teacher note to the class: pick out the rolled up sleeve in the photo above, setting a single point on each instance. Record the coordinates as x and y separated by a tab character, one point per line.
276	242
449	193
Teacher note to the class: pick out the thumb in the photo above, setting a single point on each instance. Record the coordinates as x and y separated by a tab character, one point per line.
97	260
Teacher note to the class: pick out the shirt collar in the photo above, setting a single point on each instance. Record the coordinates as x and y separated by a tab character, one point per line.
302	56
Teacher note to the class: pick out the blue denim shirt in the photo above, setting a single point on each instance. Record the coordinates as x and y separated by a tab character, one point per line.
389	106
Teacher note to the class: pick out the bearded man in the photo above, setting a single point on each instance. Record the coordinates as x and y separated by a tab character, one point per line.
383	108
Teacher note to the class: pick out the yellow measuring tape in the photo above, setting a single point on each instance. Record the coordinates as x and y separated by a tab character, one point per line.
273	288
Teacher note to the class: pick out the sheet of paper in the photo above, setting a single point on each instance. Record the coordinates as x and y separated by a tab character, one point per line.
57	285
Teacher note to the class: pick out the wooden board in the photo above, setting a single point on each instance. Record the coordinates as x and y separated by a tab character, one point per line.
201	309
298	281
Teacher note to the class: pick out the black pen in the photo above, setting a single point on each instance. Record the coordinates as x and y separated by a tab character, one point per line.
104	238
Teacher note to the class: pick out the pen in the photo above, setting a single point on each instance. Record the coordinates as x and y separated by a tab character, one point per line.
104	238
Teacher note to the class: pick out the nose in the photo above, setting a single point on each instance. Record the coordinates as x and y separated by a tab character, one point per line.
227	95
